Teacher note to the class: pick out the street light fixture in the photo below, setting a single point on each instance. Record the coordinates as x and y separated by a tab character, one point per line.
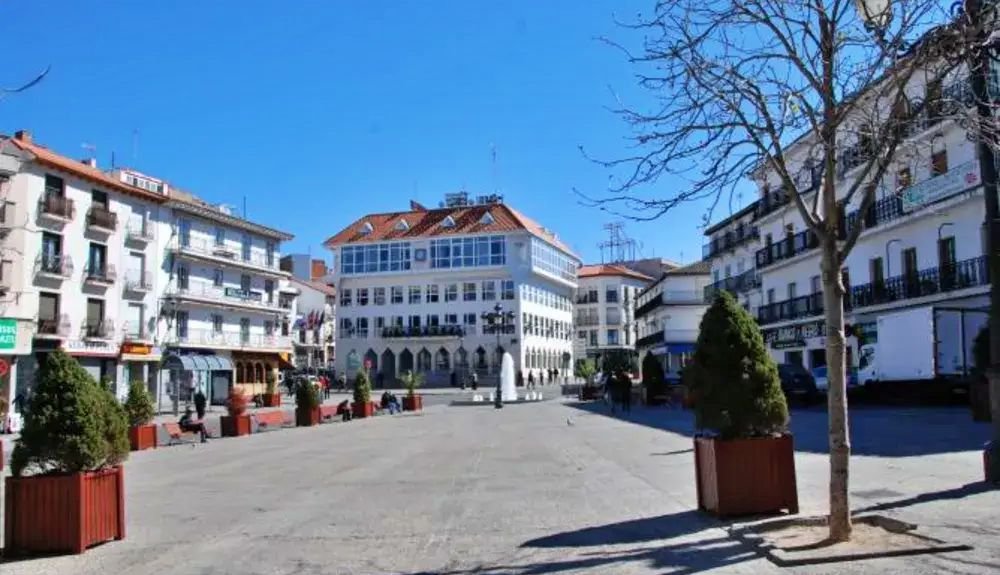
499	322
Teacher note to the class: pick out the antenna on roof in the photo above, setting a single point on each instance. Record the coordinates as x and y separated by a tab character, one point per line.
620	248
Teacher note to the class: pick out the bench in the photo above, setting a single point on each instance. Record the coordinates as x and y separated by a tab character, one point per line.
268	420
176	434
328	412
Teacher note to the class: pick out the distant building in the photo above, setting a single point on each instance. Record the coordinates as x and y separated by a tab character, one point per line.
314	323
669	313
605	306
304	267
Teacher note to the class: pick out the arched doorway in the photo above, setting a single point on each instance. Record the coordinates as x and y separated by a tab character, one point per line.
389	366
480	358
371	361
405	361
423	360
442	360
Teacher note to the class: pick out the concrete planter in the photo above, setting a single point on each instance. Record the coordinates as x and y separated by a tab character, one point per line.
63	513
413	403
363	409
745	476
235	426
271	399
142	437
307	417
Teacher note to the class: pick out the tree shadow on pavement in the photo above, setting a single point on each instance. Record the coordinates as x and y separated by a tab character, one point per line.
875	430
947	494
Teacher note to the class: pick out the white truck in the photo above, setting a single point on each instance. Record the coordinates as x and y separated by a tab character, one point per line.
921	345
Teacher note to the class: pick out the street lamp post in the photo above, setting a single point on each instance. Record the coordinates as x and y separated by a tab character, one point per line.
498	321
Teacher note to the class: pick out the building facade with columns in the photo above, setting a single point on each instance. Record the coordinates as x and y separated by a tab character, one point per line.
413	288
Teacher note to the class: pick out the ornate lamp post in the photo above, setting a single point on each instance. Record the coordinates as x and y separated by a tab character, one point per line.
499	322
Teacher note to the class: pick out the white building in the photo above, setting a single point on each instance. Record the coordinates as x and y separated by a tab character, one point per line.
921	245
79	255
313	327
605	307
413	287
668	314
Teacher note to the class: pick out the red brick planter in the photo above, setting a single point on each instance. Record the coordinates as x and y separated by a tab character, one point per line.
63	513
142	437
363	409
744	476
414	403
271	399
307	417
235	426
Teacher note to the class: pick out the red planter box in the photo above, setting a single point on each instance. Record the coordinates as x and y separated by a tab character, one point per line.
307	417
363	409
415	403
235	426
590	392
744	476
271	399
142	437
63	513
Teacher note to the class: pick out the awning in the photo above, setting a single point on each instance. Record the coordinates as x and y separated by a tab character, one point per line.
686	347
139	357
197	363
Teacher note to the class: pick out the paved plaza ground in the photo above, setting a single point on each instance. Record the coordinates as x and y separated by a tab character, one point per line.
551	487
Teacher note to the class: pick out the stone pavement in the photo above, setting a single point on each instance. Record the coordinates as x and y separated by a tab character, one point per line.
537	488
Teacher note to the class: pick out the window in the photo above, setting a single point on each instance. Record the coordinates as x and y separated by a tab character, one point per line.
612	337
432	293
397	321
469	319
396	294
591	296
876	271
792	290
135	322
487	219
379	323
182	277
375	258
99	199
946	255
816	284
468	252
48	312
489	292
269	254
933	98
245	248
217	277
244	330
220	236
415	295
269	290
345	298
910	263
181	327
268	328
245	283
507	290
939	163
593	338
433	320
216	323
581	335
550	260
379	296
54	186
469	291
770	296
97	261
51	252
362	327
346	327
611	295
729	270
362	296
451	319
185	232
414	321
401	226
451	292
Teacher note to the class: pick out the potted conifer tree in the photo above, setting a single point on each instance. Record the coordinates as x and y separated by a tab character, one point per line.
412	401
363	406
140	412
236	422
306	404
271	396
66	492
744	457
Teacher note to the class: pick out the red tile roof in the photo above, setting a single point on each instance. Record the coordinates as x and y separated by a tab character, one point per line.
316	285
595	270
427	223
49	158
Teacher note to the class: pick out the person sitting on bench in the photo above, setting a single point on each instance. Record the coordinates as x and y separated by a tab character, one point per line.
390	402
187	422
344	410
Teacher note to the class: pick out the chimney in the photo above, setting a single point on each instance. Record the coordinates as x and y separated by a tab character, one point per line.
92	162
23	136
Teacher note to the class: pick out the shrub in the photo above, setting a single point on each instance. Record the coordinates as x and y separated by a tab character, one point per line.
586	369
411	381
733	382
199	404
138	405
362	388
615	361
73	423
306	395
236	403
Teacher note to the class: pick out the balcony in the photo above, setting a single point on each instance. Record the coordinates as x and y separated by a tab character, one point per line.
742	283
651	339
50	327
420	332
229	296
587	320
770	203
54	266
210	250
7	212
229	339
138	282
795	308
730	240
787	248
99	274
649	306
56	208
136	332
139	233
101	219
97	329
587	298
960	275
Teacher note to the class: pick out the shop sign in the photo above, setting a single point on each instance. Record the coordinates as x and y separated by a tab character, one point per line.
8	333
794	335
243	294
89	347
136	349
940	187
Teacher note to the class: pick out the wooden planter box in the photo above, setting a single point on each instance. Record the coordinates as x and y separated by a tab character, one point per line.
307	417
744	476
363	409
235	426
271	399
63	513
414	403
142	437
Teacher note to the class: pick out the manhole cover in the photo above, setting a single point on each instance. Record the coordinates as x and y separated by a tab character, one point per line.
876	494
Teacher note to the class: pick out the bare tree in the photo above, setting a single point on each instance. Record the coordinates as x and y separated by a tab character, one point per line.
801	97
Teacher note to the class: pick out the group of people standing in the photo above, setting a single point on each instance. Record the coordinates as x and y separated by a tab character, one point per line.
618	391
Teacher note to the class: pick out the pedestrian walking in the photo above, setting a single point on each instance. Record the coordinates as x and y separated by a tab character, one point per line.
625	383
454	378
531	379
475	381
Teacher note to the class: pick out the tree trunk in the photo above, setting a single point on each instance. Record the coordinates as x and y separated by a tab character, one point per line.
840	443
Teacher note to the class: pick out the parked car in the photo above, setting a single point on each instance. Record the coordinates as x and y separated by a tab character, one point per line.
797	382
822	384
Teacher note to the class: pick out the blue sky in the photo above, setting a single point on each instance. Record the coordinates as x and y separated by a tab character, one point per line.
320	111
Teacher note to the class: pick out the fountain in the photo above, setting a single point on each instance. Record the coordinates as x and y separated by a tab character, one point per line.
507	390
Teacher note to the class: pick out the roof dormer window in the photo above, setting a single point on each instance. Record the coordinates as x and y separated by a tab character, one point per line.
448	222
367	228
487	219
402	225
